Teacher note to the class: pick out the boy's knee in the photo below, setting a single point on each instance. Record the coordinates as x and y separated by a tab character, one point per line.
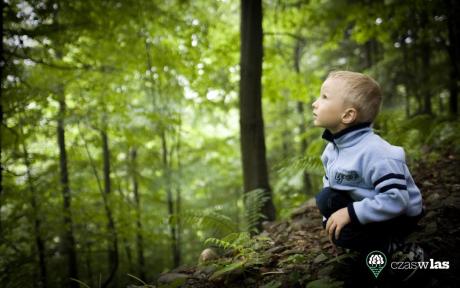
322	201
330	200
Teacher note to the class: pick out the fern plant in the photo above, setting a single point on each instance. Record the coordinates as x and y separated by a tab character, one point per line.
217	223
254	202
310	163
246	251
238	241
235	241
212	221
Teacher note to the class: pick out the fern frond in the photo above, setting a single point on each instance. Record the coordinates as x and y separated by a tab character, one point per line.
223	244
254	202
309	163
210	221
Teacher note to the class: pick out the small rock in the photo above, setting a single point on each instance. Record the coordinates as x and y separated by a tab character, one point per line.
208	254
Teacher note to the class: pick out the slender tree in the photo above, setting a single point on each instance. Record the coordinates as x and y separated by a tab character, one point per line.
453	49
2	65
137	199
170	200
300	44
113	238
408	80
425	52
37	223
159	105
68	235
178	194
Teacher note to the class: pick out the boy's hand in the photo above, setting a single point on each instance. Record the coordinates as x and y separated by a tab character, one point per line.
336	222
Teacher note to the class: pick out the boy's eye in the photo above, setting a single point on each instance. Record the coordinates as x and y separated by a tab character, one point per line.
323	96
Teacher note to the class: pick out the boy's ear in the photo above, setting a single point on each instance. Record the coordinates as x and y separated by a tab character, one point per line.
349	116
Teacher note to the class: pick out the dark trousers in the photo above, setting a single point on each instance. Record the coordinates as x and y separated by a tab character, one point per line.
368	237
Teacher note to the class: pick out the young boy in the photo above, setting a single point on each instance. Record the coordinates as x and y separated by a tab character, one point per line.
369	200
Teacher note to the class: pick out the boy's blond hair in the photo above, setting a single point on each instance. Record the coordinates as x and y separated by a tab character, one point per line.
363	93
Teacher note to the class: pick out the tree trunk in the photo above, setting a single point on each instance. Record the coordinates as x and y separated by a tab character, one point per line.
113	240
425	53
1	157
307	186
170	201
137	199
255	173
407	78
453	50
369	53
178	225
112	249
286	133
124	239
89	267
166	164
39	243
127	251
413	55
300	43
2	59
68	240
426	79
178	195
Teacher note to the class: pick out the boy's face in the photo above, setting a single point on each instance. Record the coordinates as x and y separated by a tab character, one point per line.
329	108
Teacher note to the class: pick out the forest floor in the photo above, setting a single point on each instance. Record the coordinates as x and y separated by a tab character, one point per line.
297	253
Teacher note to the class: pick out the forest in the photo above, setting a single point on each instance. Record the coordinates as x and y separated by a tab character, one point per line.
142	140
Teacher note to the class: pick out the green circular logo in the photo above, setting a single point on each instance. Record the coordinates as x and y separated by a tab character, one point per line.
376	261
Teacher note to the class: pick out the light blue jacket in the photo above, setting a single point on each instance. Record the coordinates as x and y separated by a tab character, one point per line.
373	173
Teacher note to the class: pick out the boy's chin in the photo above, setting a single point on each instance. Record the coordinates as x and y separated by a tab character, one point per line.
321	125
316	123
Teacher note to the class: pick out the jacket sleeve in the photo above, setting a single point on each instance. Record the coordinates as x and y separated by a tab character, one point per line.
392	197
324	160
325	181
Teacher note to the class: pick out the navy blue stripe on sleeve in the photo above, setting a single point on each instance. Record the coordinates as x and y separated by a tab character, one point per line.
326	177
352	213
391	186
389	176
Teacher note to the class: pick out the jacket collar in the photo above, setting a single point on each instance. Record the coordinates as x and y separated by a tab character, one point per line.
348	136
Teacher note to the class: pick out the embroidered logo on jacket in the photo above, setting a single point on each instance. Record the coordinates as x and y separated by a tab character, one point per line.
351	177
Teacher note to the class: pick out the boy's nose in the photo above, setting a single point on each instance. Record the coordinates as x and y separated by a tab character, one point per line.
314	104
